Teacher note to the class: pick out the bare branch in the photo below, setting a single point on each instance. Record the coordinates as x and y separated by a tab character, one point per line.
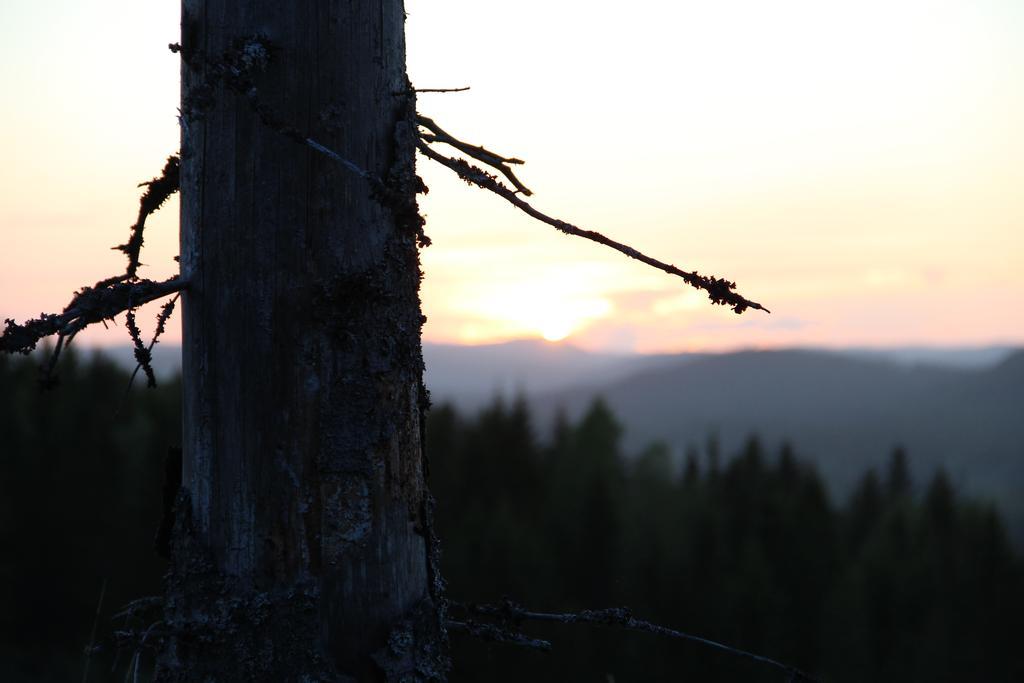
482	155
509	614
89	305
161	323
334	156
719	290
142	354
409	91
496	634
158	190
94	301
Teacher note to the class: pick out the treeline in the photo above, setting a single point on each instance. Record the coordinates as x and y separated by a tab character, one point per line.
902	582
80	499
894	585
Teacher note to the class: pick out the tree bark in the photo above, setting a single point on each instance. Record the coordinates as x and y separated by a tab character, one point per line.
302	544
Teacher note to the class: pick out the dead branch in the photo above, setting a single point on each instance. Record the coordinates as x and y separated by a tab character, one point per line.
410	91
330	154
89	305
719	290
107	297
497	634
158	190
481	154
144	355
509	616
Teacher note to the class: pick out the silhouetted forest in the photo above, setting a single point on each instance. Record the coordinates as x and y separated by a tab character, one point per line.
81	471
904	581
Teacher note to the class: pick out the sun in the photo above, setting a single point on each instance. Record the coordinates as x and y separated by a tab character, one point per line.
556	330
557	319
552	308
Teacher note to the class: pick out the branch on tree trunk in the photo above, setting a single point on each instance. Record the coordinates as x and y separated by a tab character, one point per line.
107	297
719	290
497	634
144	354
410	91
509	616
481	154
90	305
158	190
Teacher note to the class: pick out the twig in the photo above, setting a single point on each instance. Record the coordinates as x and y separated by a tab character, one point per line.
512	614
331	154
419	90
161	322
158	190
497	634
271	120
719	290
481	154
142	354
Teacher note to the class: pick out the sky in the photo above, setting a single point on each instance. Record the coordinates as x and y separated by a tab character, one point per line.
856	167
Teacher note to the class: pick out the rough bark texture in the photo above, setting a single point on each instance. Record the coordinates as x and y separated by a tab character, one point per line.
301	543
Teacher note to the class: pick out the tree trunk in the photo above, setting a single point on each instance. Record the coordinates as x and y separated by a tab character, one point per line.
302	543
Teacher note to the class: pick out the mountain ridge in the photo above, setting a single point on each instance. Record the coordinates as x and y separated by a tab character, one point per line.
845	410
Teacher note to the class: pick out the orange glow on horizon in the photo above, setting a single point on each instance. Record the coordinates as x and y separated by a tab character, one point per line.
854	167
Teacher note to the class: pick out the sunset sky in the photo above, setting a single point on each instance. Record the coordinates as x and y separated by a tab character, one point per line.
855	166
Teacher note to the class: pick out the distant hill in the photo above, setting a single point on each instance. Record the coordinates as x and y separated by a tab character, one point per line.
843	412
470	376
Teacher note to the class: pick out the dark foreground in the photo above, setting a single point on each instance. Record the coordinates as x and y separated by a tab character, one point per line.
905	581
